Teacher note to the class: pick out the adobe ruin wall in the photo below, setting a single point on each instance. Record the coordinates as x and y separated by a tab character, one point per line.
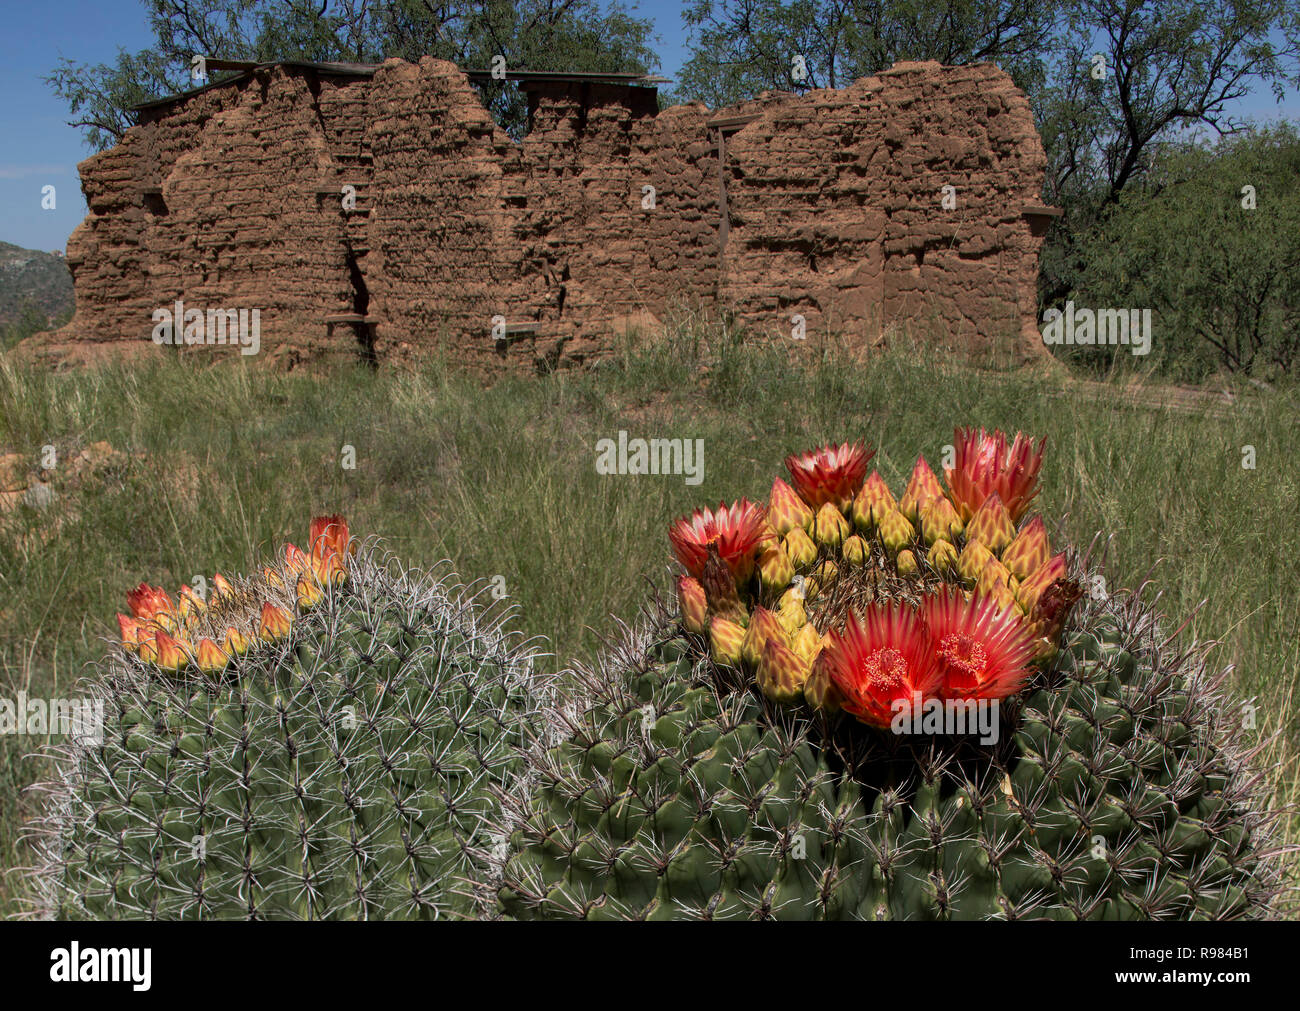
828	205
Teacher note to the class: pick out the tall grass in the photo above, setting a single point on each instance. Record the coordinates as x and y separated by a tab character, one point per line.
218	464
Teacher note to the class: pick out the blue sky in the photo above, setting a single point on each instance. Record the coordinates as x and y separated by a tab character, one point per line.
42	150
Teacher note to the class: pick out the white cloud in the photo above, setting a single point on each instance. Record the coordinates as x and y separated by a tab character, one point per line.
11	171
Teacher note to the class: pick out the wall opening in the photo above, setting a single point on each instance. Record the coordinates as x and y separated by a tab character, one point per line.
365	330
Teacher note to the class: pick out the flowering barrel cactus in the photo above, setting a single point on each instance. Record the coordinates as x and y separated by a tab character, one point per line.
322	740
793	740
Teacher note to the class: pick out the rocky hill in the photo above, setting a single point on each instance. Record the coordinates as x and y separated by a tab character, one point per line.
32	280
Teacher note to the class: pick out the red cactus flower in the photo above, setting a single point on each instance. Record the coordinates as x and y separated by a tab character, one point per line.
1048	596
984	650
922	489
781	672
147	647
329	548
149	603
884	658
992	525
209	657
830	473
786	510
984	464
132	630
234	643
1051	572
329	533
308	593
188	606
221	588
295	560
694	606
738	532
1031	548
873	502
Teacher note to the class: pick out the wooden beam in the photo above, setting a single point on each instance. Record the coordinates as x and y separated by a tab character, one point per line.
733	122
522	329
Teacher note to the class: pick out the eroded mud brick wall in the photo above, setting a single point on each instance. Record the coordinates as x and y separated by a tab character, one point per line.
467	225
836	209
442	251
215	203
828	205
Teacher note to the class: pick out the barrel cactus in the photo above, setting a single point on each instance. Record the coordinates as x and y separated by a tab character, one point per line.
322	740
793	739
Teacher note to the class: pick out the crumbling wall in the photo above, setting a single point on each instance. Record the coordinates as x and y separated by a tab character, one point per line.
216	205
838	214
441	257
581	226
828	205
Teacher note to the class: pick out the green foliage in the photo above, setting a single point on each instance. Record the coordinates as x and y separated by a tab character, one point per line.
741	47
100	98
348	771
1166	67
1115	794
1223	280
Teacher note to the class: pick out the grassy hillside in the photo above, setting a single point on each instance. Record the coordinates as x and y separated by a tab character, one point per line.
35	293
205	468
29	277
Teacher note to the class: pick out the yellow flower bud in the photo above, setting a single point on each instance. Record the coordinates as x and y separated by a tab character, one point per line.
725	639
800	549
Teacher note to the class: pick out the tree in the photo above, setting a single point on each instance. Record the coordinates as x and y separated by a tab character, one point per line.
1135	74
560	35
740	47
1209	239
1171	65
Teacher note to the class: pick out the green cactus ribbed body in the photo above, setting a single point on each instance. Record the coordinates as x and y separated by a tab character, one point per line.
1116	792
343	772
